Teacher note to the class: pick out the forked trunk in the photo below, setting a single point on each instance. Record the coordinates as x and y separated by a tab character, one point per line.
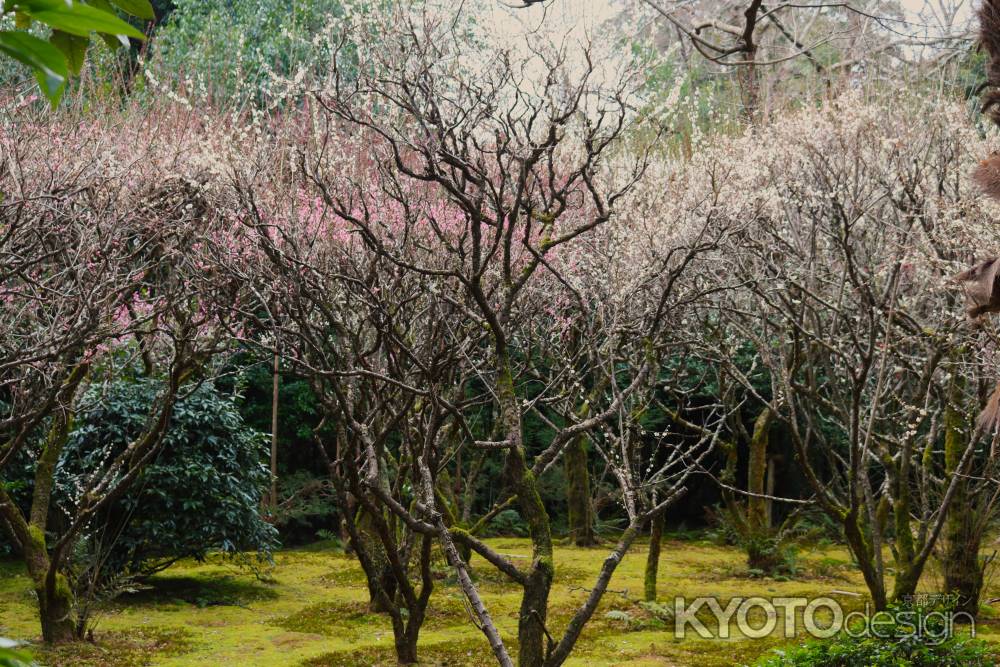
55	599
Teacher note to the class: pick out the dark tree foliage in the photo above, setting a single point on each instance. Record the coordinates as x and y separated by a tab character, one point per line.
202	494
306	508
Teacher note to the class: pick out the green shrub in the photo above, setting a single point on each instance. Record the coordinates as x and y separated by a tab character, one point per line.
202	493
508	523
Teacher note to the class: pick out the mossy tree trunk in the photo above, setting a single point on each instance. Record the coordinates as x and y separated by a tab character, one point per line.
906	552
580	510
406	641
531	625
580	515
908	571
963	525
752	520
347	508
962	567
381	583
653	557
757	514
761	553
52	590
733	507
861	547
446	504
55	597
532	618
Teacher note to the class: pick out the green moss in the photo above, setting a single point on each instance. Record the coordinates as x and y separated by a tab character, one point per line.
354	620
137	648
486	577
316	611
344	575
63	591
336	618
450	654
37	537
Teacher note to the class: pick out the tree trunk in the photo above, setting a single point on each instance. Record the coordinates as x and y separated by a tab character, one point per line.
580	514
653	557
531	628
531	625
757	515
347	507
58	626
771	477
861	548
446	502
963	571
406	651
749	80
747	74
383	581
275	381
905	583
761	552
55	599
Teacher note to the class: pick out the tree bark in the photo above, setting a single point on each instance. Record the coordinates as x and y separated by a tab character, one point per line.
531	625
761	552
653	557
963	568
862	549
382	585
55	599
963	572
757	515
446	506
580	515
275	381
580	512
472	595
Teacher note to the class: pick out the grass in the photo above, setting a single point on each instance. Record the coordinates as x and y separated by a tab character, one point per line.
312	610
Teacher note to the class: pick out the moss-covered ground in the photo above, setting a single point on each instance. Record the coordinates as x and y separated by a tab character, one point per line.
311	609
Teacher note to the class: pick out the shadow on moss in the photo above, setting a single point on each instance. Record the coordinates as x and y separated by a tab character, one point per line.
221	590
